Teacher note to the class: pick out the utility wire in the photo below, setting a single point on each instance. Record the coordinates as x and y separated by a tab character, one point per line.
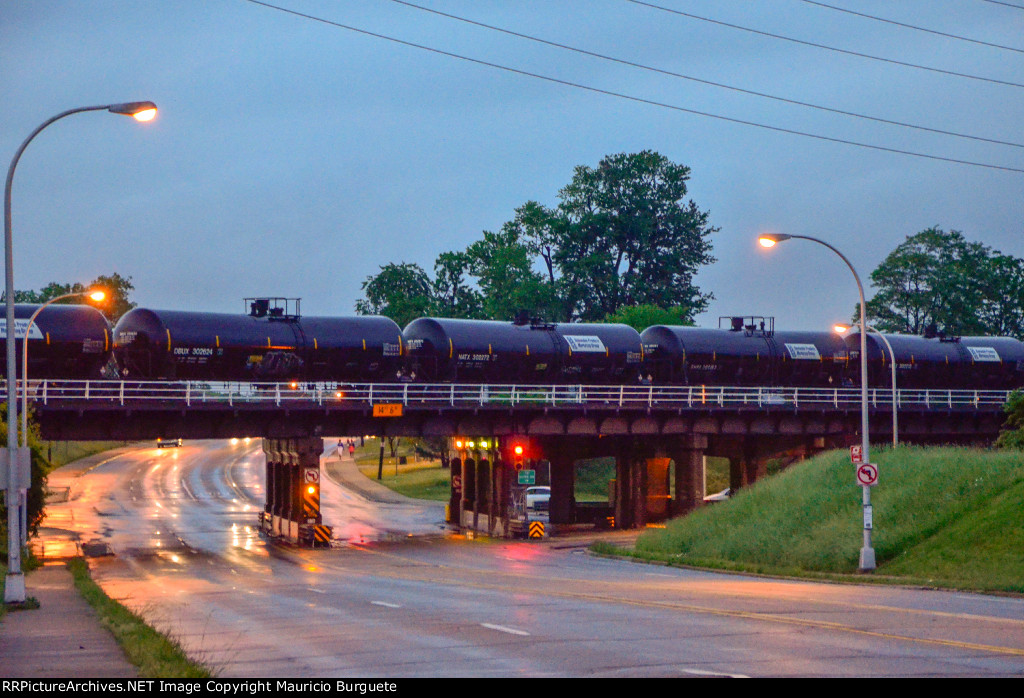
705	82
823	46
1005	4
911	26
640	100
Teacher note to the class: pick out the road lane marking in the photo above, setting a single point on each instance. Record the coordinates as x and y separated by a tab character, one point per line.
707	610
505	629
385	604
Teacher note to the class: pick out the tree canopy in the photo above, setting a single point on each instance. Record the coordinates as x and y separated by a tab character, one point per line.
623	235
118	289
938	279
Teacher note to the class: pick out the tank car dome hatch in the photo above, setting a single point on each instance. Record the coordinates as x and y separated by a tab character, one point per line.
66	341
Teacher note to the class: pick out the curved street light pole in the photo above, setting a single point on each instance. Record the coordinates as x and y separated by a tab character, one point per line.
17	458
892	365
867	553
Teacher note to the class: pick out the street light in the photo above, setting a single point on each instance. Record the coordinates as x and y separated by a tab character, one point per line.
18	458
867	553
96	295
839	328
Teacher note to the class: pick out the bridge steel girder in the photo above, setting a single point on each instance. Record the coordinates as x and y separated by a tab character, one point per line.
74	420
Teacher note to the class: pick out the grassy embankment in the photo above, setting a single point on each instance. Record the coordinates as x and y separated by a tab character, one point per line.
153	653
417	477
946	517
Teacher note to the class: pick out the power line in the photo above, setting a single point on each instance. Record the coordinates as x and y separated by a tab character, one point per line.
827	48
1006	4
911	26
641	100
702	81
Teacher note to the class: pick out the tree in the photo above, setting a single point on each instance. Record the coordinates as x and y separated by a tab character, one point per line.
1012	436
35	499
117	287
940	279
508	284
640	317
623	235
452	297
402	292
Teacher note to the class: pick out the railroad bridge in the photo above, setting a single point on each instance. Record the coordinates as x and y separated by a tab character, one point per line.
658	435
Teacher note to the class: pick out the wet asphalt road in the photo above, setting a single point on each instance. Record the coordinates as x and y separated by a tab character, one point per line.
399	596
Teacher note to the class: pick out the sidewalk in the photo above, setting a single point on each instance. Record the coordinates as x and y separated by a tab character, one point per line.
63	638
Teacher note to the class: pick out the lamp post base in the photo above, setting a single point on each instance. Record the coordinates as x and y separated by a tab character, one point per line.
14	588
867	559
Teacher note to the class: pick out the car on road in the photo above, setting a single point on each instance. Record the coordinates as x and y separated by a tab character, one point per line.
722	496
538	498
168	443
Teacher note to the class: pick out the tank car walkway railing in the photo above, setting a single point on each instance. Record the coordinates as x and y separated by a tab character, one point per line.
354	395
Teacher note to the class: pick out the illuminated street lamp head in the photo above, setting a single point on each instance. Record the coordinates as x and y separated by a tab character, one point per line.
141	111
772	239
840	328
98	295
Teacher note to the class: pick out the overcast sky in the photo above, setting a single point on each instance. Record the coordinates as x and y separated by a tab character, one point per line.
294	158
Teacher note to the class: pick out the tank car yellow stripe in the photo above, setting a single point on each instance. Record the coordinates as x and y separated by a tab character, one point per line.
451	348
364	345
106	339
48	336
168	340
315	345
527	349
401	346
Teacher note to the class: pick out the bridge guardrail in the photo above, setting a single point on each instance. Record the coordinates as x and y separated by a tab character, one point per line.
189	393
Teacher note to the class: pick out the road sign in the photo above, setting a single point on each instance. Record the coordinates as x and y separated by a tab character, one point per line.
457	483
536	529
856	454
312	475
527	477
387	410
867	474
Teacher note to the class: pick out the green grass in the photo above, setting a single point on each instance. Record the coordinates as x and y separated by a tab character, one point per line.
943	516
64	452
154	654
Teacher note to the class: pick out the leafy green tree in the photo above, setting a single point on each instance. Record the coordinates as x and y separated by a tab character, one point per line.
938	278
623	234
1012	435
452	296
640	317
402	292
118	289
503	266
35	499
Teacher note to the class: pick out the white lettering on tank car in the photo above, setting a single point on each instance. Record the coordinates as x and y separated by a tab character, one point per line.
19	329
585	343
984	354
803	351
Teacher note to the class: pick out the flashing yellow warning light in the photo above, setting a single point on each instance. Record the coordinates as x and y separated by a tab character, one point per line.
311	489
294	384
470	444
458	443
484	444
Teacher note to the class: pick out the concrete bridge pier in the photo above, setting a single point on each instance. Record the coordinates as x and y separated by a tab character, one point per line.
292	510
687	452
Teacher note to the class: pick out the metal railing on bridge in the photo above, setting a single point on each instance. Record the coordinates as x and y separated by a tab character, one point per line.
327	394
